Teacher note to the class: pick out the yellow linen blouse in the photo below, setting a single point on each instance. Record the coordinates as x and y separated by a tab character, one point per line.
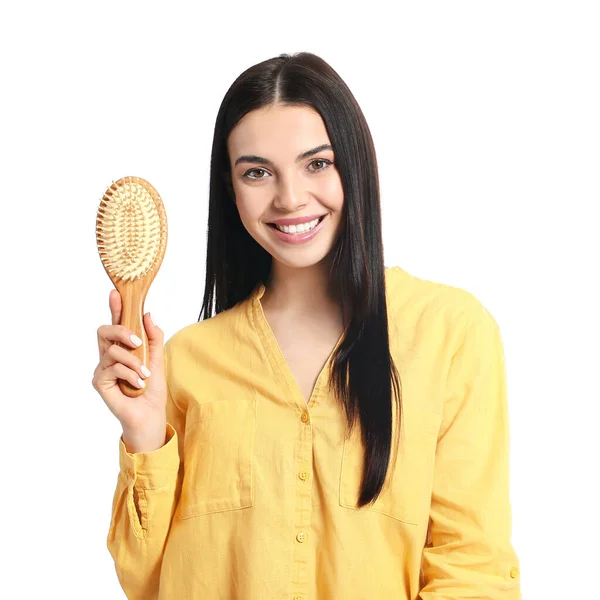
253	496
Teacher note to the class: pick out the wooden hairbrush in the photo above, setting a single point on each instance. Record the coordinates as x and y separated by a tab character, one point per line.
131	235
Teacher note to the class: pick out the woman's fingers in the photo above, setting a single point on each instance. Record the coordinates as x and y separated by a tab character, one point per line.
134	368
156	338
109	334
120	371
115	304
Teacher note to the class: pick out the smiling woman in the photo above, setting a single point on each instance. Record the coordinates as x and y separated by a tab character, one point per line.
295	199
297	464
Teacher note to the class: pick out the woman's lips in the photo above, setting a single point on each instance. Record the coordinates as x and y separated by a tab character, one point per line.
297	220
298	238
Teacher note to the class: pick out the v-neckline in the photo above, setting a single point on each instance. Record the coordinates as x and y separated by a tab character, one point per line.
278	362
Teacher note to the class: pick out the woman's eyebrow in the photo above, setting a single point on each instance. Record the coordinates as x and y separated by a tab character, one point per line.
259	160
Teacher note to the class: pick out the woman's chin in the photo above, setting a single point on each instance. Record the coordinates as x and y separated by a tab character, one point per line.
298	258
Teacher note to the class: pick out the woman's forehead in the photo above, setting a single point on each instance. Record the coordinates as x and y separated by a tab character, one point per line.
281	129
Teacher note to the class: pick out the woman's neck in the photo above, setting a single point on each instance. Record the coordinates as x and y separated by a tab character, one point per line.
301	291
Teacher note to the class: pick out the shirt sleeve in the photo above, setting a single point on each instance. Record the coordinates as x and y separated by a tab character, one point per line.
468	551
144	502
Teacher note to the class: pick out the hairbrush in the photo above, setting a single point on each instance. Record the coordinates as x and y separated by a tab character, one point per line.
131	235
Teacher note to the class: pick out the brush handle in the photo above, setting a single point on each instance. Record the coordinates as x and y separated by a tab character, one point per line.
132	312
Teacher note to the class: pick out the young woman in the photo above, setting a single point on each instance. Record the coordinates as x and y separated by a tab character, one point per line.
330	428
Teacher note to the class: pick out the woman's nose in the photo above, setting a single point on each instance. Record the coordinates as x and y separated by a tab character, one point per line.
290	195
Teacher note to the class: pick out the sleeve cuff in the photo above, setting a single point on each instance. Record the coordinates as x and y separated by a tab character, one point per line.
151	469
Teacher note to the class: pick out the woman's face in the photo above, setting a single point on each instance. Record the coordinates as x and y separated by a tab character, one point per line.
289	201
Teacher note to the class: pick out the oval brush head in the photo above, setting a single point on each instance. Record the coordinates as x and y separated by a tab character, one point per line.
131	235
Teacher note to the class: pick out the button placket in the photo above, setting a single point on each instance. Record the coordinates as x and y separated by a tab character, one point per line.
303	505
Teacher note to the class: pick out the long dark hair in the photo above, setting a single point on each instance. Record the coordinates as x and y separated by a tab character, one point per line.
364	376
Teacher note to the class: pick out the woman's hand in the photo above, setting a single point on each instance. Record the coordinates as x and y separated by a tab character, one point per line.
143	418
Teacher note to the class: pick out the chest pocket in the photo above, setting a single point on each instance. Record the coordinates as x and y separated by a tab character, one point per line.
406	495
218	451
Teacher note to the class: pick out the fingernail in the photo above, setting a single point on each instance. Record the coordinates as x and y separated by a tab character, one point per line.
141	383
145	370
135	340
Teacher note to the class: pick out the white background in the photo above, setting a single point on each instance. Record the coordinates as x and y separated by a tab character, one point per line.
485	117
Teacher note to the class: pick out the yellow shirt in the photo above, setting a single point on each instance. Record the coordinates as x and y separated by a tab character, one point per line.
253	496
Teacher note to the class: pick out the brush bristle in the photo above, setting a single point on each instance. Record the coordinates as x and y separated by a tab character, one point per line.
129	228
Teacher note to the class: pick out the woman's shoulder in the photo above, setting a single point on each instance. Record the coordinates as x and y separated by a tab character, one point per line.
419	299
211	332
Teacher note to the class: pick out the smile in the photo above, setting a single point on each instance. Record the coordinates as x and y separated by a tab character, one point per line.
300	228
298	233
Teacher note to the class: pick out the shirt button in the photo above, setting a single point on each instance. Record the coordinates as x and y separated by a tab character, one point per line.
301	536
298	597
304	417
514	572
303	475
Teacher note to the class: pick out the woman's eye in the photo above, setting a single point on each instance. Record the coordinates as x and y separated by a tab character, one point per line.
321	161
247	173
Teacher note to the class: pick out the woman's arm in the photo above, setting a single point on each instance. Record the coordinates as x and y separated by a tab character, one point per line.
147	492
468	553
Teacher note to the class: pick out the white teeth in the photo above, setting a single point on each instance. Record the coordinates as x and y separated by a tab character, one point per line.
302	228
